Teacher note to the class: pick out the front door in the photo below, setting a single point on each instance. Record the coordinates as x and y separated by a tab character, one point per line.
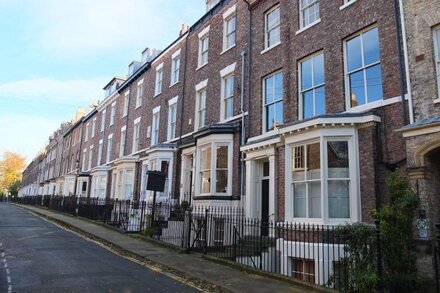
265	200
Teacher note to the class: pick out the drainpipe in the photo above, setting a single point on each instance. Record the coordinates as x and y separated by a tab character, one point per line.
399	50
244	135
405	56
243	131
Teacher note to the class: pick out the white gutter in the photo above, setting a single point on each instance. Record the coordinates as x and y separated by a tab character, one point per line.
405	56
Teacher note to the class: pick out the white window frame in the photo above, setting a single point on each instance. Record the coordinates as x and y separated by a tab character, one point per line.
136	135
213	141
227	17
437	60
122	142
313	88
90	157
203	35
112	114
109	148
126	103
155	128
100	152
86	135
175	67
172	118
363	68
93	127
267	31
83	167
159	80
103	120
323	136
139	93
302	11
272	103
200	87
225	74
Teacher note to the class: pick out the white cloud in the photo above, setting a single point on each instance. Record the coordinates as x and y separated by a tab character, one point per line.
84	27
25	134
78	92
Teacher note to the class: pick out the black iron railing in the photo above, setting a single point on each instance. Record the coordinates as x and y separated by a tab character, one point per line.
312	253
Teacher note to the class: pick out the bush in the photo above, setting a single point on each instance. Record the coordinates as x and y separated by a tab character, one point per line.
396	224
357	272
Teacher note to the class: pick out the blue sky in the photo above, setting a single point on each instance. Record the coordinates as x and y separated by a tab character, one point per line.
56	55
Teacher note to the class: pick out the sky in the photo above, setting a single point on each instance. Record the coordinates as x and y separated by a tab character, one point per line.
56	56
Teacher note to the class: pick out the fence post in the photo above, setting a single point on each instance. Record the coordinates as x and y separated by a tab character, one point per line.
77	206
234	240
206	232
142	216
188	236
379	257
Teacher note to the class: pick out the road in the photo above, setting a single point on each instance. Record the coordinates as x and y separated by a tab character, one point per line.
38	256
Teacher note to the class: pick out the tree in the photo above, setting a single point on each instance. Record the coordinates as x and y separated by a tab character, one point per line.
11	167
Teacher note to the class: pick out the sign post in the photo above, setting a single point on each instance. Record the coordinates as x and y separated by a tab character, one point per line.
155	182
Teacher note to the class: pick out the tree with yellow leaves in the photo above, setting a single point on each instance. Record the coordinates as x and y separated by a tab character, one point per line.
11	168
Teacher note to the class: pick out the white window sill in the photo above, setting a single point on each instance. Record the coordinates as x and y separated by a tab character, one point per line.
201	66
230	119
174	84
137	107
307	27
227	49
270	48
156	94
123	116
437	101
347	4
375	104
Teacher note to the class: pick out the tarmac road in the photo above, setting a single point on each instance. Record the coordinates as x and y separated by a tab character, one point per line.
38	256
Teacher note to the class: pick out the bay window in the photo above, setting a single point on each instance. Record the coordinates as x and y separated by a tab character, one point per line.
321	184
214	163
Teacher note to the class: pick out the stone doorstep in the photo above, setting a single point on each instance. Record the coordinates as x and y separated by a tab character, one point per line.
189	268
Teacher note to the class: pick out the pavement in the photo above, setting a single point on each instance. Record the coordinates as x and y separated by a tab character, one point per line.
38	256
191	269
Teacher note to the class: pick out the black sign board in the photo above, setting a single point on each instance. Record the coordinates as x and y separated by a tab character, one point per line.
156	181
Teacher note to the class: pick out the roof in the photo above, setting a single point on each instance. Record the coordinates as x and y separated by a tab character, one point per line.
421	123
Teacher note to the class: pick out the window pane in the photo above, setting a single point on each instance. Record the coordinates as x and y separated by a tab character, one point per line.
206	179
222	181
222	157
229	108
306	74
437	54
313	168
357	89
338	162
354	51
320	101
315	199
279	113
270	117
371	46
299	200
230	86
278	86
374	83
205	163
308	104
318	69
338	199
273	18
231	40
273	36
269	89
